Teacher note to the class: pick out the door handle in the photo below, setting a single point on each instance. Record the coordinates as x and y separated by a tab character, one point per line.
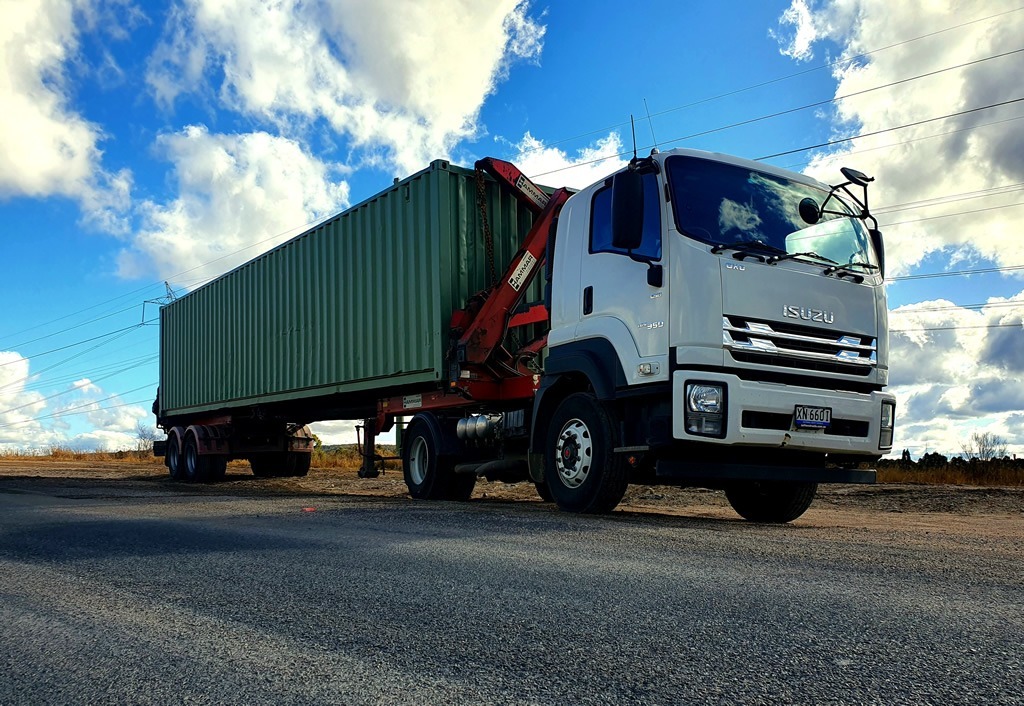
588	300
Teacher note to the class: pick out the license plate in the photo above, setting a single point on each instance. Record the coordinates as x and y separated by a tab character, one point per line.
806	417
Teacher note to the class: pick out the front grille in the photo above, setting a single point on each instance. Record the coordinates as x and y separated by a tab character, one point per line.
794	346
784	422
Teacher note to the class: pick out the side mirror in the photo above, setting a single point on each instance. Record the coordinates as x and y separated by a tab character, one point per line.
809	211
879	245
627	210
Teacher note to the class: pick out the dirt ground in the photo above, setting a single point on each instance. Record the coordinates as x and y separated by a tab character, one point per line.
944	509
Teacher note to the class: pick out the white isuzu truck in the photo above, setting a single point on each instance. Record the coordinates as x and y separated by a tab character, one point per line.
698	319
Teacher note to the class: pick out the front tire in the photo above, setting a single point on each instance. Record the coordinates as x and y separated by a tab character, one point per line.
766	501
581	471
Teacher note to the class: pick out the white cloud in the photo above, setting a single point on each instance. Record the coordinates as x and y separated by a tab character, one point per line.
967	154
234	191
797	32
33	421
405	81
18	406
46	147
956	371
555	167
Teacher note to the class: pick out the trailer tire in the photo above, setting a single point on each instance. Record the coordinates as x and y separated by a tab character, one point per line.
766	501
218	468
582	472
197	466
429	475
296	464
461	486
263	465
173	458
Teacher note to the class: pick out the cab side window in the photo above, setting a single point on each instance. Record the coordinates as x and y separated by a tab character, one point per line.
601	221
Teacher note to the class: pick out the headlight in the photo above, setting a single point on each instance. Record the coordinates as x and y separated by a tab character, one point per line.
705	409
704	398
888	422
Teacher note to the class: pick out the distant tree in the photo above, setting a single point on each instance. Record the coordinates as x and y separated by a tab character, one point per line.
933	460
984	446
145	435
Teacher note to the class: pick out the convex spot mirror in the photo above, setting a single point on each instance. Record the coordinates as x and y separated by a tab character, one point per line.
858	178
809	210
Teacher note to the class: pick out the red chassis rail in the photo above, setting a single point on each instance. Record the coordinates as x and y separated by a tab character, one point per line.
488	372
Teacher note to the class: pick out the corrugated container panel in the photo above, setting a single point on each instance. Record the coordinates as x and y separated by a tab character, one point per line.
358	303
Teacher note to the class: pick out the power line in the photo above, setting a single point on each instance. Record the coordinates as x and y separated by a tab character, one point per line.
950	215
816	104
794	165
949	198
890	129
838	62
1019	325
69	413
78	343
957	273
68	392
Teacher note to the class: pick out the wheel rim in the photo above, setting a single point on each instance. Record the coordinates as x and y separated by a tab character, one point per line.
418	458
574	454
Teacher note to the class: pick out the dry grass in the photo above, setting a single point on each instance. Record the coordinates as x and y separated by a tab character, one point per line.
66	453
994	473
1008	473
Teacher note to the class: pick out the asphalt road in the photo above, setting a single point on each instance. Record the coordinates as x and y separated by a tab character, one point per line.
162	595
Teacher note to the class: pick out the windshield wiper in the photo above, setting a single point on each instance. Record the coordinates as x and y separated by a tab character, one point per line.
864	265
747	247
792	256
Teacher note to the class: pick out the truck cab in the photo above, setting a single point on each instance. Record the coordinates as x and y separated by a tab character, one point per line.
729	320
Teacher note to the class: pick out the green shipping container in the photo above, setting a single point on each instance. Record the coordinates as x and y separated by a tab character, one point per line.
356	308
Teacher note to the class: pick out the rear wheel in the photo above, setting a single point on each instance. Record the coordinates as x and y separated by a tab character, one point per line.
263	465
766	501
582	472
296	464
218	468
196	466
173	459
430	475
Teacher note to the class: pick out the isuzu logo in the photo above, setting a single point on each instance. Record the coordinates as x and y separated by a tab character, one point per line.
800	312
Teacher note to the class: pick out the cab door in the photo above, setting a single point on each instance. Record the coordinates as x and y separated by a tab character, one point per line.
619	302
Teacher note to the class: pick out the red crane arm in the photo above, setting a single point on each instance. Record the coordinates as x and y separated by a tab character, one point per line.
487	329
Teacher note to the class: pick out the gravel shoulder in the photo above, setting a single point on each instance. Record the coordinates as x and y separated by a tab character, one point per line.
995	512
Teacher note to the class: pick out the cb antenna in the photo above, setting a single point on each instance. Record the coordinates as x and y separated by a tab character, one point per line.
649	122
632	125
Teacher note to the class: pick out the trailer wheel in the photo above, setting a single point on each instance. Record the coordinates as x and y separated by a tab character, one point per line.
296	464
461	486
263	465
218	468
582	473
197	467
173	459
765	501
428	474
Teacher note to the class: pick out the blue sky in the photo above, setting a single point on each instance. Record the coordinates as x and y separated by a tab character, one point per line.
144	142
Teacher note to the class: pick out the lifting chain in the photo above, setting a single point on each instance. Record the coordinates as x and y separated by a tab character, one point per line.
481	200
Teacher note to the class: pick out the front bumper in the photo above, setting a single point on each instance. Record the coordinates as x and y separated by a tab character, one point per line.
760	414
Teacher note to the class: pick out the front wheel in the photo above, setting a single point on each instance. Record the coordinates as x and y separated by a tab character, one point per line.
766	501
581	471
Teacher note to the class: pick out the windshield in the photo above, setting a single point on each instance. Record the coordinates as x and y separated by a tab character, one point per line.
726	204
